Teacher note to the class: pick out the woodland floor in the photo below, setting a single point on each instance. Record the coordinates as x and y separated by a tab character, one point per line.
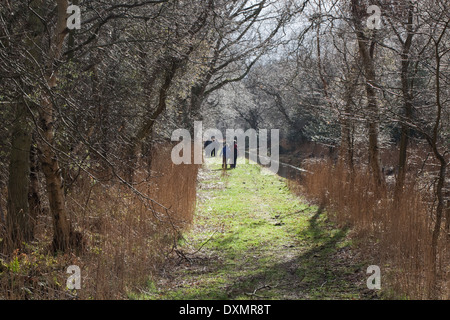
252	238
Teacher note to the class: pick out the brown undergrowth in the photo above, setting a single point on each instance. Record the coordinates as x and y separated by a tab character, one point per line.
127	231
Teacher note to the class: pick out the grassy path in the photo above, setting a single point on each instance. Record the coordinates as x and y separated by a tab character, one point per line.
253	239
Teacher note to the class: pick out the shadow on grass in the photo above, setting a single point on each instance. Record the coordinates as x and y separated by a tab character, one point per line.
317	273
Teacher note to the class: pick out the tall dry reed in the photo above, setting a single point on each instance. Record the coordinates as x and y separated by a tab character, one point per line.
127	233
396	235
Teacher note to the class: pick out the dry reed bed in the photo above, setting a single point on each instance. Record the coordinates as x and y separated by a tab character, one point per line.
395	236
126	235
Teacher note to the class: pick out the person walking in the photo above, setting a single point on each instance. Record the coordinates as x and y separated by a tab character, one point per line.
225	153
207	143
214	147
235	155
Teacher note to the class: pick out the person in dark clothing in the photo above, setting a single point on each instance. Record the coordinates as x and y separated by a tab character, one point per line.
233	164
225	153
214	144
207	143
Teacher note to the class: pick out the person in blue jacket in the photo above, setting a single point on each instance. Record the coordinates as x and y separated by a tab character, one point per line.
225	153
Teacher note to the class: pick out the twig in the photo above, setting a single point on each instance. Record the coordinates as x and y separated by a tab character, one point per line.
182	256
204	243
253	294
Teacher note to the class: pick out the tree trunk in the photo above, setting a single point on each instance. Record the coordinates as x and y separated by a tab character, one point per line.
346	147
366	53
439	192
447	214
48	156
52	173
437	225
34	201
407	106
347	125
19	226
2	220
404	140
373	125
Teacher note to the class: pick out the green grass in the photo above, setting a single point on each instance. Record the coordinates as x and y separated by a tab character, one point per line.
257	240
